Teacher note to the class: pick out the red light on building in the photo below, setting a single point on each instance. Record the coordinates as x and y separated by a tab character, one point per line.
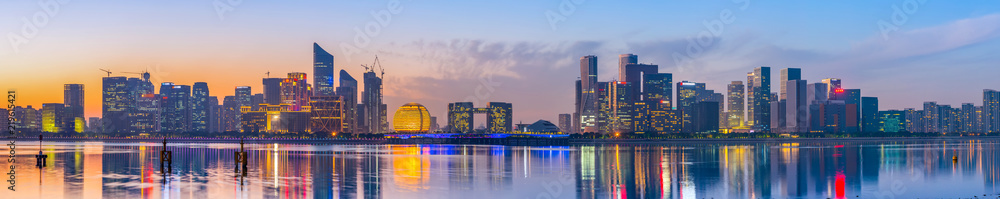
839	90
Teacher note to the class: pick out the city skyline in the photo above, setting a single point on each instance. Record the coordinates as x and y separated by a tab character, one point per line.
534	74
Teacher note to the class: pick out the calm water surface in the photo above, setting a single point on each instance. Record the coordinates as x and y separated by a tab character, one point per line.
826	169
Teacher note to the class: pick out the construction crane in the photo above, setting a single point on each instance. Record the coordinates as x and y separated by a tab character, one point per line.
107	71
145	75
268	73
371	68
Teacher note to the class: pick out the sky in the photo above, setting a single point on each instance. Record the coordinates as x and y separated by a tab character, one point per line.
524	52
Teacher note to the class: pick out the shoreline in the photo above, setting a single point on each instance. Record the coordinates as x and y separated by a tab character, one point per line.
512	141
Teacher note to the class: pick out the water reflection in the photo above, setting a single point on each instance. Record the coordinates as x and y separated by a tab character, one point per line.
868	169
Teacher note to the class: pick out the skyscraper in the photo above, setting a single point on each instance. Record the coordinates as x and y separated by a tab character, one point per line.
231	114
658	87
762	99
736	106
114	105
177	112
633	74
214	114
326	114
272	90
687	96
73	99
348	90
322	71
564	123
624	60
891	121
243	98
500	117
372	99
968	118
460	118
788	74
750	100
588	96
199	107
869	114
991	111
832	85
295	90
797	106
931	118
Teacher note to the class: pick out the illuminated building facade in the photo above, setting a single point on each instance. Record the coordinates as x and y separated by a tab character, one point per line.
991	111
565	123
499	117
176	114
656	117
322	71
460	118
891	121
326	114
412	118
265	118
295	90
73	99
736	104
199	107
658	87
52	115
230	116
114	104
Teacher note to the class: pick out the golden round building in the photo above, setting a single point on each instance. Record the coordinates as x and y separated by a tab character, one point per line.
412	118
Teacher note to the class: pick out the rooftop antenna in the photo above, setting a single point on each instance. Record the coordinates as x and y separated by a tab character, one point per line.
268	73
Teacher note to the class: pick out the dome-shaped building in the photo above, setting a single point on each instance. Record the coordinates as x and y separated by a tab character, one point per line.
411	118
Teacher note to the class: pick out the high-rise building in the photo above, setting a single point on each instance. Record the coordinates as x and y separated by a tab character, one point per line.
736	107
199	107
434	124
750	100
832	85
796	106
968	118
295	90
617	110
828	117
914	120
322	71
176	115
687	96
230	115
500	118
577	128
214	114
869	114
73	99
114	105
564	123
348	90
588	97
657	117
788	74
991	111
460	117
624	60
658	87
853	96
634	73
932	117
272	90
244	97
762	99
52	114
371	98
27	119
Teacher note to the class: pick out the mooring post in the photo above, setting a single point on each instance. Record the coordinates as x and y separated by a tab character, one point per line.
40	158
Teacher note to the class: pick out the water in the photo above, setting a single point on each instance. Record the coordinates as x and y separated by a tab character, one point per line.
818	169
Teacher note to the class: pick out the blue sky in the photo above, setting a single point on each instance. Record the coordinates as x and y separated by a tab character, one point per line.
436	52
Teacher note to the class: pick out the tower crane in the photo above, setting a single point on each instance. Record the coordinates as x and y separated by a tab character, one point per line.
107	71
